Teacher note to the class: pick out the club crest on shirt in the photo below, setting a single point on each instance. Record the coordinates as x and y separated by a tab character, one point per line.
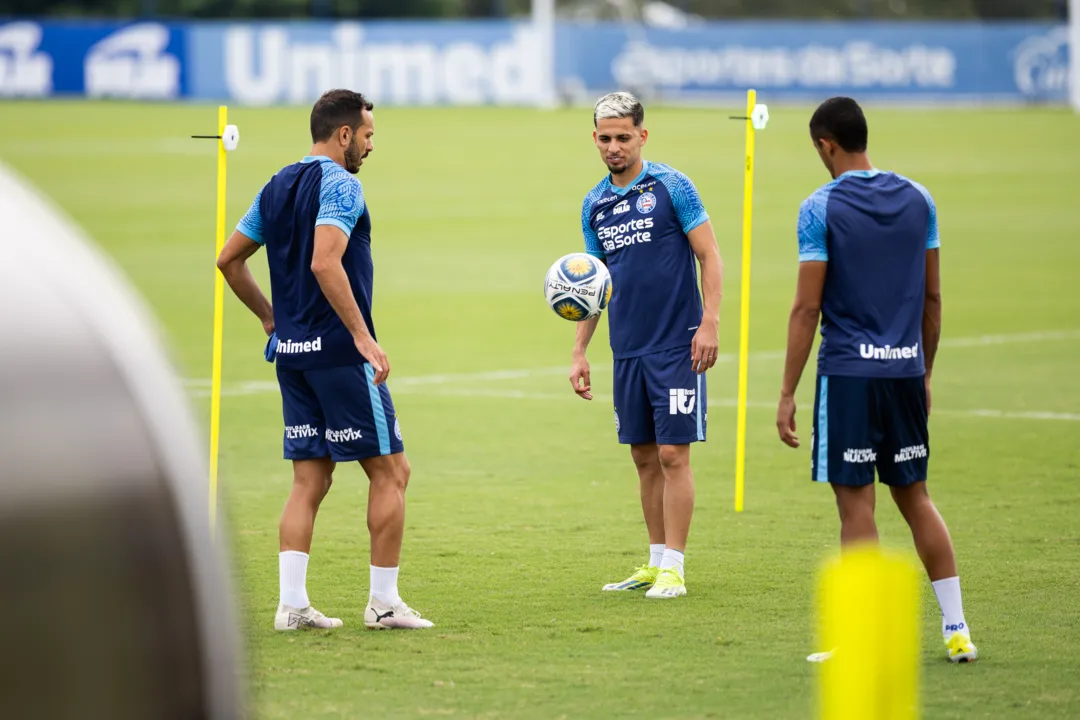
646	202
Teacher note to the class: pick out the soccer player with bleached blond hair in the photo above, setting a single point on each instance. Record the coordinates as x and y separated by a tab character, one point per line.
646	222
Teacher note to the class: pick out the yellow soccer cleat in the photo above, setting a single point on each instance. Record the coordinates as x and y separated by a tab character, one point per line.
961	649
643	578
669	584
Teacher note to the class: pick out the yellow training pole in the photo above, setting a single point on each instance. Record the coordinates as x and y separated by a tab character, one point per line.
219	301
744	305
868	618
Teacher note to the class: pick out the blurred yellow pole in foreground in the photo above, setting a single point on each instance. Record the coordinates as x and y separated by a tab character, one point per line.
868	617
219	301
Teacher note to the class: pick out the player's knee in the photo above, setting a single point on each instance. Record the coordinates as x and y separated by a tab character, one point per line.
312	479
645	459
673	457
392	474
313	486
855	510
911	499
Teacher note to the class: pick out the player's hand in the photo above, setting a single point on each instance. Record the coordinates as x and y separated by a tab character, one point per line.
579	377
785	421
374	354
268	326
705	347
927	396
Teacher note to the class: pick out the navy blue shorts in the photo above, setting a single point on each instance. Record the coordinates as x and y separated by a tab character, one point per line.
659	398
864	424
337	412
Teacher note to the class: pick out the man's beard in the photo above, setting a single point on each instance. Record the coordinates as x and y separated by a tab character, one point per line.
353	157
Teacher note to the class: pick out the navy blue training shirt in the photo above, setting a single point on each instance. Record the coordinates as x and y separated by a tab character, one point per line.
874	229
283	217
641	231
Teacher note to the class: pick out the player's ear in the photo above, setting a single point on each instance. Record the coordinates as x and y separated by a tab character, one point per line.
644	136
345	135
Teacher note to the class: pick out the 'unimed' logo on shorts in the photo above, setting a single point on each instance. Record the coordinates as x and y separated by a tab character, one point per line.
681	401
910	453
872	352
297	432
341	436
859	455
288	347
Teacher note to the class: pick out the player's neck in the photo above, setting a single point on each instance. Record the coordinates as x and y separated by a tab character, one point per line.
326	151
628	175
851	162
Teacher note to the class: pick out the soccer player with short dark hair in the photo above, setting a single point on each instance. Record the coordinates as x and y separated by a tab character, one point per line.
869	268
646	221
313	221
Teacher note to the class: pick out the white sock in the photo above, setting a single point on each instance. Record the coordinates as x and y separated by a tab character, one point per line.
384	585
672	558
656	554
952	608
292	578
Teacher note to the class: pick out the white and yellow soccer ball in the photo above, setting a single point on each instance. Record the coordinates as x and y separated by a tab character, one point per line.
578	287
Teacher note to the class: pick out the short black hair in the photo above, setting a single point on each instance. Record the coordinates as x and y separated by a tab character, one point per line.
841	120
335	109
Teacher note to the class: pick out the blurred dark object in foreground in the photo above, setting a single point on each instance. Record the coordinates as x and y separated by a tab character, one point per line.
115	598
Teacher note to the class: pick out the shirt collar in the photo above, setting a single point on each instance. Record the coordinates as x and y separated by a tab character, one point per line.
622	191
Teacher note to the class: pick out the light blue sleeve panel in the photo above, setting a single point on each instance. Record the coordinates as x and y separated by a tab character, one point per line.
341	199
933	239
813	232
592	242
251	224
684	196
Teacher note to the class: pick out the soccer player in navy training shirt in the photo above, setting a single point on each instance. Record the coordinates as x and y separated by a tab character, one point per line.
646	222
869	267
315	224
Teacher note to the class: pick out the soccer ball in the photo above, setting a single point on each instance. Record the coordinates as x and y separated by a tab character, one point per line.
578	287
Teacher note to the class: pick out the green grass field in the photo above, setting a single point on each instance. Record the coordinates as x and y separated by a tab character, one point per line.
522	503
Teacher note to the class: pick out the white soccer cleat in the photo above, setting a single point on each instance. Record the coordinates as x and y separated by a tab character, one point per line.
669	584
290	618
380	616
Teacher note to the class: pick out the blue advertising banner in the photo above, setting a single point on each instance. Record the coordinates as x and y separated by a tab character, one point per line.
941	62
495	62
93	59
395	63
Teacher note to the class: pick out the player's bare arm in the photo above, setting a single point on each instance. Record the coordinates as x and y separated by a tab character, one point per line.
931	321
704	348
233	266
579	368
802	324
330	244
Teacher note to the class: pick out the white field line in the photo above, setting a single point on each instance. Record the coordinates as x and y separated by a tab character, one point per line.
435	384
